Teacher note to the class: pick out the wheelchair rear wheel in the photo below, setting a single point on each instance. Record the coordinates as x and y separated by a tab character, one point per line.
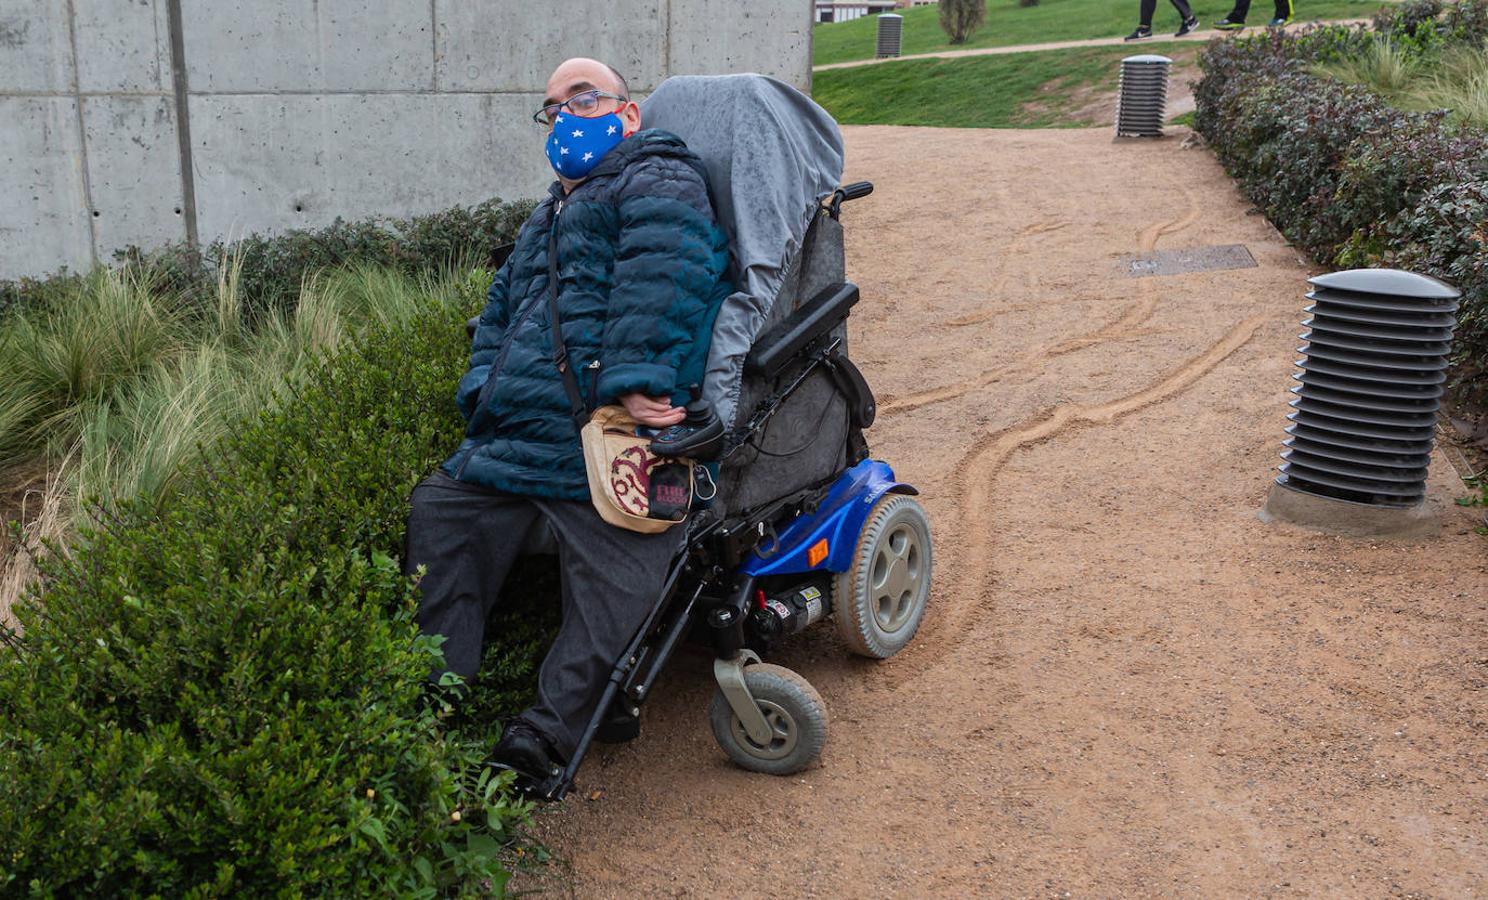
795	712
879	602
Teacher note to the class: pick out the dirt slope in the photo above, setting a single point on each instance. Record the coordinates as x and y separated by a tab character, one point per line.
1128	685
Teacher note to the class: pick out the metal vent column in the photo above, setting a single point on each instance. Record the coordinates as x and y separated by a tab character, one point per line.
1144	96
890	29
1371	378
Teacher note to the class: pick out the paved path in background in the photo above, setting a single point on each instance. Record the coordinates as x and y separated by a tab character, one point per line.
1126	685
1202	35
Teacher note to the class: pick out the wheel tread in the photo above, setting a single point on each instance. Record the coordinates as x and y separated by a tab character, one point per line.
785	687
855	628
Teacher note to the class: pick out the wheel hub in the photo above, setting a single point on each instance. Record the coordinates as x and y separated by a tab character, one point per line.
895	578
782	732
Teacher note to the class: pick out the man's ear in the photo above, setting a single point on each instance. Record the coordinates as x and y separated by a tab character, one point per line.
631	116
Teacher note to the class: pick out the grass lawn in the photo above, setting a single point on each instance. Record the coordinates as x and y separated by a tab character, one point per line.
1052	20
1047	89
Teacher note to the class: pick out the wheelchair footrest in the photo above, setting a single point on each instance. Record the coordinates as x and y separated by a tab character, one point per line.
549	789
621	726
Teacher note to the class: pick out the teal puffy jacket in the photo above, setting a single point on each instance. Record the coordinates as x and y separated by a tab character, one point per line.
642	269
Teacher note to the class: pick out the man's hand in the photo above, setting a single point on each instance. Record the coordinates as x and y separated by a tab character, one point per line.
658	412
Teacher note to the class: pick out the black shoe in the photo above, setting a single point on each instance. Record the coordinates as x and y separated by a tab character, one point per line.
524	750
1228	24
1141	34
1189	24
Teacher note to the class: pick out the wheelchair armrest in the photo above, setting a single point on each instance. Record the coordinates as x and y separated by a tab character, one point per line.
778	346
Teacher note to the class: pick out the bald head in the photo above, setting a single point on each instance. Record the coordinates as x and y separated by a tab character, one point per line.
584	74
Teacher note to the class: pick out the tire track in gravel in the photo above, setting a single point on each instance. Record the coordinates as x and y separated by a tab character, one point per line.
979	466
1013	247
1124	328
978	470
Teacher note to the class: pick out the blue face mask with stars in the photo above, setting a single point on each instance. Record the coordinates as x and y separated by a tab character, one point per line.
577	144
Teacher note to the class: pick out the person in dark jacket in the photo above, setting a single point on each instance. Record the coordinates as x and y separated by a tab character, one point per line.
642	268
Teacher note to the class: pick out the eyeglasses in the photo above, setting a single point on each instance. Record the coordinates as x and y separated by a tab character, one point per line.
584	103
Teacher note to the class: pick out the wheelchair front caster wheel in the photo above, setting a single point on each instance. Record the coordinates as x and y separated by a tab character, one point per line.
796	715
879	602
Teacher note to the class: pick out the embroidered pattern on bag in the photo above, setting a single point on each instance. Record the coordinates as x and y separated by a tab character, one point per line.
630	479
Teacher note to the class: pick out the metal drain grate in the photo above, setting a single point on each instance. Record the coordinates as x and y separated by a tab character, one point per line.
1144	96
1371	385
890	29
1192	259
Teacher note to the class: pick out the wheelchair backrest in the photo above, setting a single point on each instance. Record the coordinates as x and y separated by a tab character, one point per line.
771	155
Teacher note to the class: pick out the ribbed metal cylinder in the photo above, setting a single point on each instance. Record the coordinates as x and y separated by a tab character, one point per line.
1143	97
1371	378
890	29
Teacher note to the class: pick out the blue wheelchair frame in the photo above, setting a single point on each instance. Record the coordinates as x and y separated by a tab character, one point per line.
838	521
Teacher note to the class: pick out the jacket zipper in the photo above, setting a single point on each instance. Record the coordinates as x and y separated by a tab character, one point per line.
506	344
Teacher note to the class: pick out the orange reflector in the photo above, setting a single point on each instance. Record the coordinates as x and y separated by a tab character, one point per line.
817	553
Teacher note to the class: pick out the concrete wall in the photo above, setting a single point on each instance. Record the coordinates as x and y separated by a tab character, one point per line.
146	121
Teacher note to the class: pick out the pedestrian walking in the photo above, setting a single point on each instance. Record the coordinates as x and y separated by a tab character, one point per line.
1236	19
1189	20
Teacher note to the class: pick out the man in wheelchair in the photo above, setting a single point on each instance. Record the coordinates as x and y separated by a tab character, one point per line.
641	266
651	297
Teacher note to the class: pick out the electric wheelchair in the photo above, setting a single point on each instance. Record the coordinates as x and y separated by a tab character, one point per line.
804	525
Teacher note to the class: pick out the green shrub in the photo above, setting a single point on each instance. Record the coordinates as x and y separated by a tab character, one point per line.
35	293
1347	177
272	268
1413	18
1425	24
1466	23
223	697
1445	233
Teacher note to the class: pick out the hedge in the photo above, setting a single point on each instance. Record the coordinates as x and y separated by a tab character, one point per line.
1347	178
227	698
272	267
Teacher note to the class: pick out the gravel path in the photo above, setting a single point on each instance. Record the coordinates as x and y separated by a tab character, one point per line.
1127	684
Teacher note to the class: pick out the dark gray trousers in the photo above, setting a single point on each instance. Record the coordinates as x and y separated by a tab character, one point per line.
1148	7
467	538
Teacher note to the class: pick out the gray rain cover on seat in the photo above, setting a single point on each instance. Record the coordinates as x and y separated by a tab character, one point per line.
771	155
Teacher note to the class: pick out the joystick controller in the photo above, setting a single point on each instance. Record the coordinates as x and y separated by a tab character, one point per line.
699	436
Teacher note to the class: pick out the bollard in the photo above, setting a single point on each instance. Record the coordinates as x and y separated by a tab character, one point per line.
1143	96
1370	386
890	30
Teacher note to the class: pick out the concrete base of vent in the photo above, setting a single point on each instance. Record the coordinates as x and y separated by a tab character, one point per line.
1345	517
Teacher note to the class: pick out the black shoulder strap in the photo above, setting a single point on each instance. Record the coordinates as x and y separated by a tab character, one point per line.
577	407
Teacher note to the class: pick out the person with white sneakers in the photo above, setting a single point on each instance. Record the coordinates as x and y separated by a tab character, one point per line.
1148	7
